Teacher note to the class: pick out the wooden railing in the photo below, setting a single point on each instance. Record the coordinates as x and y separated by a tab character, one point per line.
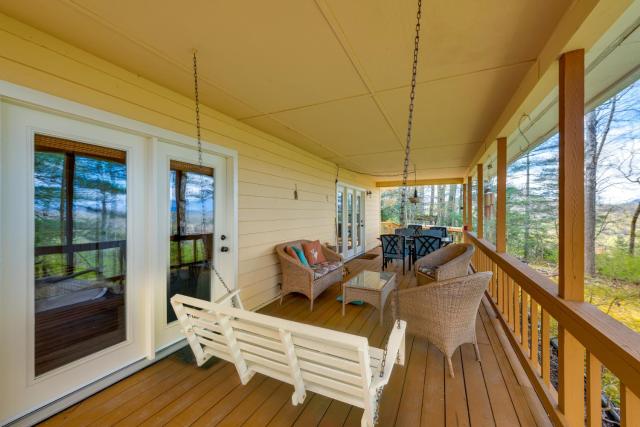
527	306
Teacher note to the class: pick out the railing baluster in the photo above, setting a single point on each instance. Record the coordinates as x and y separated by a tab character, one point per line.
509	301
594	391
516	310
570	377
524	315
629	407
546	355
534	335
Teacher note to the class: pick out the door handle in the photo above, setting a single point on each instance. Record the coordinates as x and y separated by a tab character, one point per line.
224	249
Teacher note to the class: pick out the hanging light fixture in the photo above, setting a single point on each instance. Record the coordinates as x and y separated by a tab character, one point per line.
414	199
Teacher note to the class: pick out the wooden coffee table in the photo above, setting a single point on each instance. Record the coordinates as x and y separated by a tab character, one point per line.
369	286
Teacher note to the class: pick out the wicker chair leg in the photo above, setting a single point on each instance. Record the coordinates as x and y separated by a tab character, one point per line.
450	367
477	348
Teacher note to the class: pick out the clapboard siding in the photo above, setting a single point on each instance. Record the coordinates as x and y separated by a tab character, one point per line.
269	169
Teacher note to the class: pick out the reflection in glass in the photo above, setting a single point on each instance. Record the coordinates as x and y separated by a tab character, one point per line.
191	192
80	209
340	215
349	220
358	221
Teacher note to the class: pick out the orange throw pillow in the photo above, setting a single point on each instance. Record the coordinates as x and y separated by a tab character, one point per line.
313	252
291	253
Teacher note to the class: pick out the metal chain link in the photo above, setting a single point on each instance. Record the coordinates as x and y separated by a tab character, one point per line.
403	200
200	163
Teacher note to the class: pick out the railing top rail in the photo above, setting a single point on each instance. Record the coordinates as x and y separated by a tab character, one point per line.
613	343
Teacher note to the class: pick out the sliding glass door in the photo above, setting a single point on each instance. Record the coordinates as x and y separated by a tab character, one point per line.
350	224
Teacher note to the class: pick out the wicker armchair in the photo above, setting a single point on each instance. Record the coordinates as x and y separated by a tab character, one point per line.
445	263
445	312
304	280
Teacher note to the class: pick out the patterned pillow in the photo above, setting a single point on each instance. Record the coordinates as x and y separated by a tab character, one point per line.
301	256
291	253
313	252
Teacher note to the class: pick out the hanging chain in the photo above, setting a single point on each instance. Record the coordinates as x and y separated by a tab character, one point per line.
403	200
412	96
200	163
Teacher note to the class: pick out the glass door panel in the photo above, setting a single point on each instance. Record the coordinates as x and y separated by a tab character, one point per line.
340	219
350	222
193	235
191	205
80	210
358	223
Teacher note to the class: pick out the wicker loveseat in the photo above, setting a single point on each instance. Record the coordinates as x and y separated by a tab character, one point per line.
446	263
309	281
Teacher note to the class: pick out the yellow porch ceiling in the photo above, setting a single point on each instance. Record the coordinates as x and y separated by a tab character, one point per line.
327	75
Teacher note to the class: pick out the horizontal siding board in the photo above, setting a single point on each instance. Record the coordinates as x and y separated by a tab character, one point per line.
269	169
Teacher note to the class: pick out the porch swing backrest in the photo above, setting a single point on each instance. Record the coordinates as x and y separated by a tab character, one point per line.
338	365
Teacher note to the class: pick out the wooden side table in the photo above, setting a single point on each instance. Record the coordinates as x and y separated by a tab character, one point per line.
372	287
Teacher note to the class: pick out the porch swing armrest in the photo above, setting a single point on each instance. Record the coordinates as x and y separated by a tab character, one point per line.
229	297
395	351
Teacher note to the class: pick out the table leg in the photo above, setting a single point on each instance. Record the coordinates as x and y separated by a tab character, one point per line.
344	300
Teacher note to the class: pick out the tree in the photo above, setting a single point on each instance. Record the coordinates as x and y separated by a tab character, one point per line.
451	204
597	127
630	170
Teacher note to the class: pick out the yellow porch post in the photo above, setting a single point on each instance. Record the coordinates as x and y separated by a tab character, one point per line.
571	229
480	202
501	208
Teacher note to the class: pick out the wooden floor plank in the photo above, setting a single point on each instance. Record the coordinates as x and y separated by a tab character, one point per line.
504	415
480	412
511	386
247	406
217	412
177	393
433	396
457	411
410	409
204	388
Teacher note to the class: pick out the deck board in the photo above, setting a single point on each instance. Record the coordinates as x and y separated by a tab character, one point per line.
177	393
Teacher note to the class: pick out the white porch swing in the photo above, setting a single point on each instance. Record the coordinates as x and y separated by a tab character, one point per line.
338	365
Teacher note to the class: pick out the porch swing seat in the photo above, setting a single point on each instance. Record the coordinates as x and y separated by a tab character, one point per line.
334	364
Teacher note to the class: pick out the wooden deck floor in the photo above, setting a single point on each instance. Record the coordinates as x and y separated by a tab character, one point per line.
175	392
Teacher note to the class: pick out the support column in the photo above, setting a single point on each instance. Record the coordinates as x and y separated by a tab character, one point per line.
480	201
501	202
571	229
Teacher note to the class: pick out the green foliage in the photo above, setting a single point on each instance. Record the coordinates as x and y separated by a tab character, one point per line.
618	264
446	205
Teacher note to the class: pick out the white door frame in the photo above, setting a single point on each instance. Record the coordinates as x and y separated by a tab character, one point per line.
12	406
21	388
354	190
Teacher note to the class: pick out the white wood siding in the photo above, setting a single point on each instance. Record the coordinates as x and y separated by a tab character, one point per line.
269	168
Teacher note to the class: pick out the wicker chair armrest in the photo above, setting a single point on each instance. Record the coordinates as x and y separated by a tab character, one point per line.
330	255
